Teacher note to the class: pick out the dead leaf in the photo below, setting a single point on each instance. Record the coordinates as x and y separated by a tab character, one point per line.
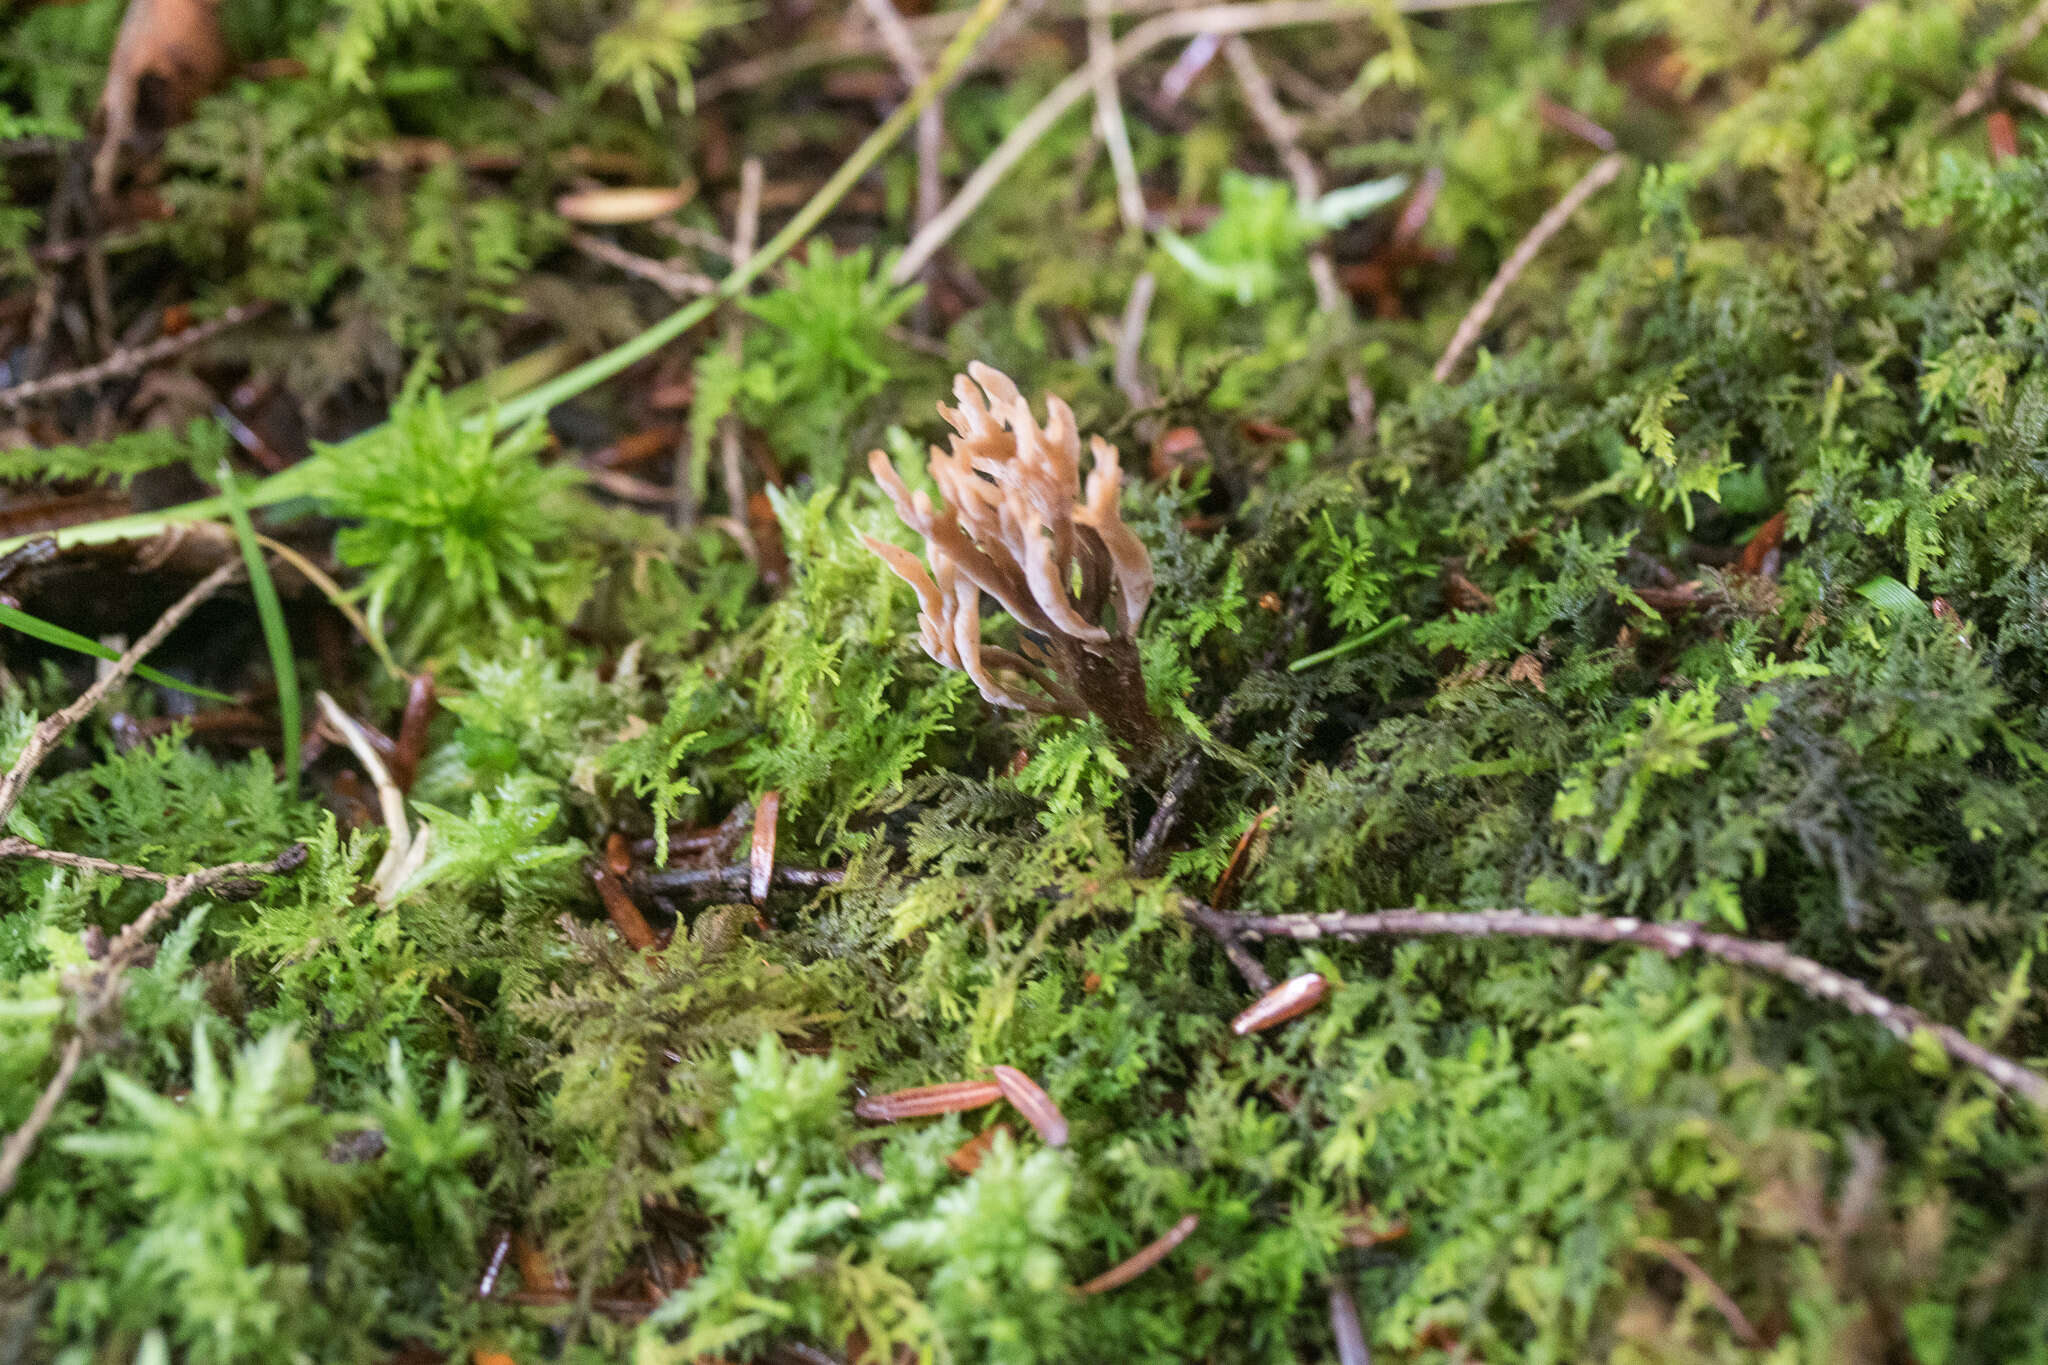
1528	669
169	51
631	204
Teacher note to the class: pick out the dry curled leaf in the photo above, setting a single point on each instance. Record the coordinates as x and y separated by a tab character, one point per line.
168	54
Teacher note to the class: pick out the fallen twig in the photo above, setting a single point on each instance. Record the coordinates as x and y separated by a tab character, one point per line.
1474	322
1724	1302
53	727
1346	1328
1147	1256
671	280
691	881
127	362
1284	133
1670	938
1984	85
1164	28
98	989
1109	113
13	846
931	122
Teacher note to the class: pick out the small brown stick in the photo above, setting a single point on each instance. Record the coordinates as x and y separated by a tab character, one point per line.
746	226
411	748
1346	1328
1984	85
128	362
54	726
99	988
1147	1256
1670	938
925	1100
1296	995
1567	119
739	877
14	846
931	122
1474	322
671	280
2033	96
625	916
1130	337
1284	133
1724	1303
1164	28
1109	113
1028	1098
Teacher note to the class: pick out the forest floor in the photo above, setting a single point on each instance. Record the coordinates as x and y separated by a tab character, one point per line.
1424	739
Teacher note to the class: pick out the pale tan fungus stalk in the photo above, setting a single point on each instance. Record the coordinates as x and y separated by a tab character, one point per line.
1014	521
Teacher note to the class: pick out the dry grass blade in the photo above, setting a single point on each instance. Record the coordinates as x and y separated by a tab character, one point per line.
1030	1100
1146	1257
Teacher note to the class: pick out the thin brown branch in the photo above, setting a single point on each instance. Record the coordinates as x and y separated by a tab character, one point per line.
98	990
1984	85
1347	1329
746	227
1724	1302
1164	28
128	362
671	280
1474	322
1671	938
716	881
1284	133
931	123
54	726
14	846
1130	338
1109	113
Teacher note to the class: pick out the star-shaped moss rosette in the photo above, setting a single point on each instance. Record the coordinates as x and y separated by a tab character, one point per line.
1013	521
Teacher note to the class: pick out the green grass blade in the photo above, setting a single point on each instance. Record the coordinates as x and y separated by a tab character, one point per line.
52	634
270	611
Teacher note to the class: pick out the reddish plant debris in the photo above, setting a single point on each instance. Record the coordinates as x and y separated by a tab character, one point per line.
1145	1258
172	48
1756	554
625	916
1528	670
411	746
1025	1095
966	1158
1296	995
925	1100
618	855
2004	138
1224	894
